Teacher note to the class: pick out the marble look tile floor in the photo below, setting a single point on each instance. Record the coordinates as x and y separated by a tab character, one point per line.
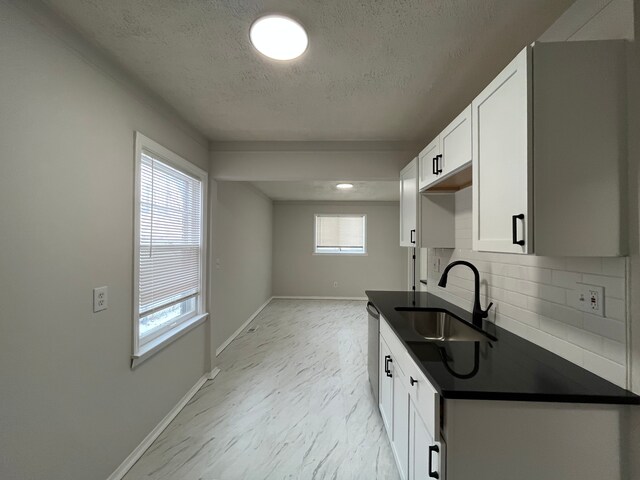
292	401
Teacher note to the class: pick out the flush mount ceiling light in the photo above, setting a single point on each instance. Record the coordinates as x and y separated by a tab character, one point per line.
278	37
344	186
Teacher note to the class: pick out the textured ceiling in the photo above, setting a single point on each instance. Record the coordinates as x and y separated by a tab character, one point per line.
327	191
374	70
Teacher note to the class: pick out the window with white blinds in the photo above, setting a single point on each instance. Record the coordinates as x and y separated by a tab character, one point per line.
340	234
169	246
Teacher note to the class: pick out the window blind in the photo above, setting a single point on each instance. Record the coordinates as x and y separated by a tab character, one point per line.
170	235
333	231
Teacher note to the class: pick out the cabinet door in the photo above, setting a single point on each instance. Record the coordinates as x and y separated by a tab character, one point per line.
427	160
400	421
425	455
385	385
502	161
455	143
409	204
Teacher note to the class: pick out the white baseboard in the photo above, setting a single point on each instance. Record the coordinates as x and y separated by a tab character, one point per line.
321	298
134	456
242	327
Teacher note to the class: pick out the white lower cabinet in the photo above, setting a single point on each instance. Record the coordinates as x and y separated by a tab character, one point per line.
405	397
385	393
400	429
461	439
424	452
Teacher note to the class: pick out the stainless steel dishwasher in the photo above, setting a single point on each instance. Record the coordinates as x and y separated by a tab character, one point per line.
374	348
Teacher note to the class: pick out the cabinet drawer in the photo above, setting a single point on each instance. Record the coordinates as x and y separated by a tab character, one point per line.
397	349
425	398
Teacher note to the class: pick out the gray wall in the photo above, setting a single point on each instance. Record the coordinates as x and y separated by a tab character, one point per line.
70	406
242	235
297	272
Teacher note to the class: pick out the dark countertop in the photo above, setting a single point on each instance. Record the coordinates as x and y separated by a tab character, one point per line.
509	368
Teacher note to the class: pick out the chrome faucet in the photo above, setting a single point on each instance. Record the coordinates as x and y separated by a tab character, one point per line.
478	312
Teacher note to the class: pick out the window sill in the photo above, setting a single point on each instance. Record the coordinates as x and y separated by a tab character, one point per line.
149	349
332	254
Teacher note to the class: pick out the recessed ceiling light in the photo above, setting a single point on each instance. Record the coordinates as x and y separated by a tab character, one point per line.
278	37
344	186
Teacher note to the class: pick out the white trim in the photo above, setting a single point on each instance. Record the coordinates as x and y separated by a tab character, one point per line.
154	346
242	327
134	456
293	297
350	254
143	143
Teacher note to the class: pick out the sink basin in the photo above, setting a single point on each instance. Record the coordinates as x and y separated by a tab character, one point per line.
438	325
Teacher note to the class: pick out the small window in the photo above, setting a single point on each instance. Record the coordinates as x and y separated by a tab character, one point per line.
340	234
169	245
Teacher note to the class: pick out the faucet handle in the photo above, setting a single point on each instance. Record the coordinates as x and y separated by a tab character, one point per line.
486	312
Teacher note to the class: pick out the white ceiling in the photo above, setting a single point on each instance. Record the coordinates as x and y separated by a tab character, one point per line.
374	70
327	191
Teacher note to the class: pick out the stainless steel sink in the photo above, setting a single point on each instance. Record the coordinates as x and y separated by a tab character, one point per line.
440	326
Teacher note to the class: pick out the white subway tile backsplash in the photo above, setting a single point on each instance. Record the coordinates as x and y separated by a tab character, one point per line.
520	314
584	264
554	327
589	341
557	312
558	346
516	299
565	279
614	266
614	351
536	298
538	275
613	286
605	327
553	294
612	371
614	308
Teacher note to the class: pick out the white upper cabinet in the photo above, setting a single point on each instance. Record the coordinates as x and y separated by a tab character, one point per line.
428	158
455	144
449	153
502	161
409	204
549	157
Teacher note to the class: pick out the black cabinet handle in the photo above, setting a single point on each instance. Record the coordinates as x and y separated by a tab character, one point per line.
387	359
413	240
432	473
390	360
514	229
412	381
434	167
439	164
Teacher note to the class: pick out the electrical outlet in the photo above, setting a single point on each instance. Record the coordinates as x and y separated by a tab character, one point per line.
335	284
590	299
435	264
100	299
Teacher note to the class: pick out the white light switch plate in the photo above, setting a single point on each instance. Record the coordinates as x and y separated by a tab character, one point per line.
590	299
100	299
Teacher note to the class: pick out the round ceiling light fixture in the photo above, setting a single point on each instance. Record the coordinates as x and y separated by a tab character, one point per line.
344	186
278	37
